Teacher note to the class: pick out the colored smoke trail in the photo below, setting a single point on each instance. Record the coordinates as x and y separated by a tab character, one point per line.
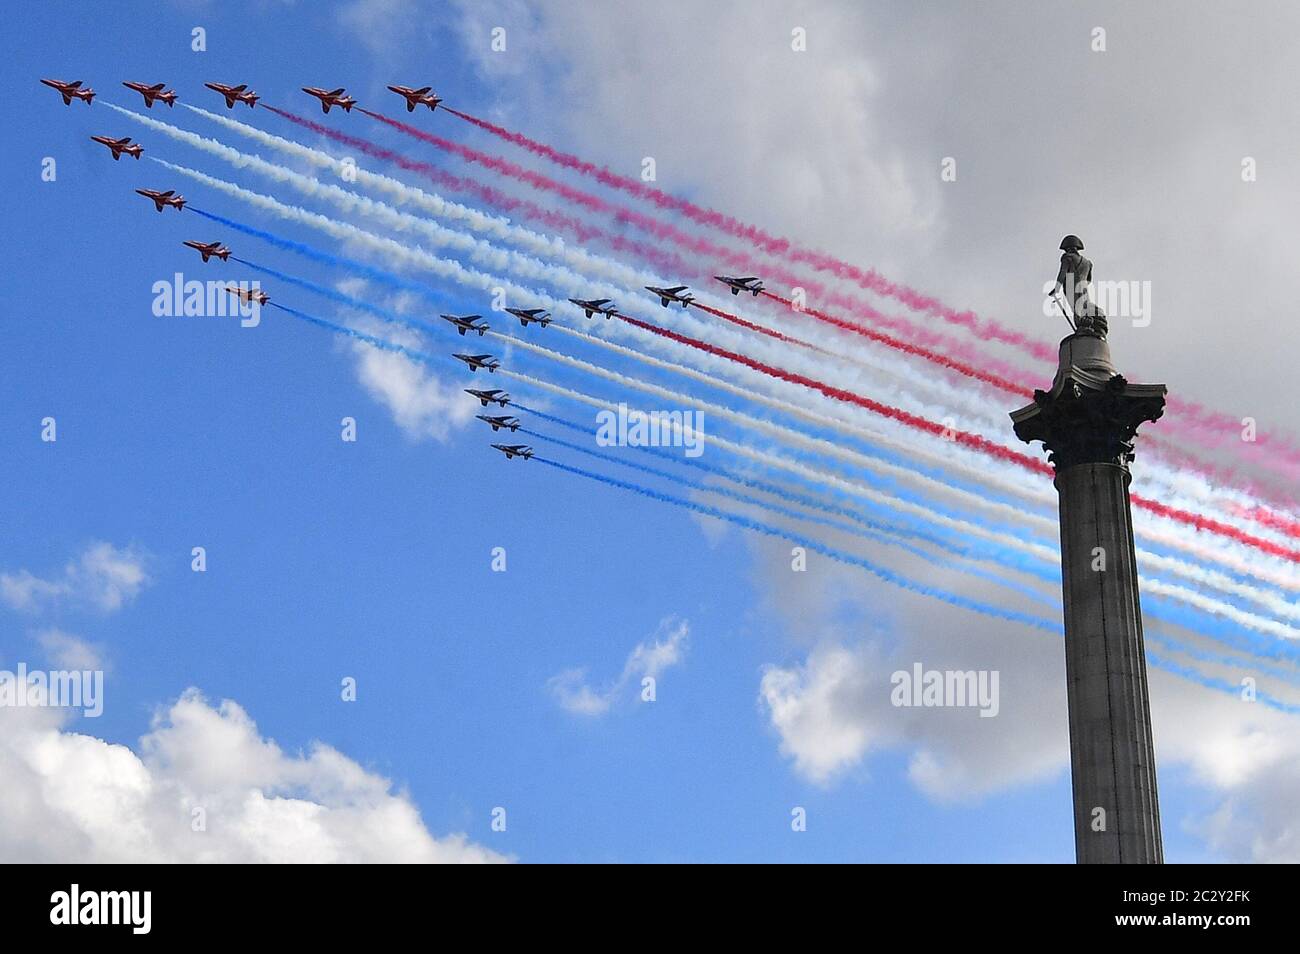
975	441
1209	578
954	599
343	230
868	279
552	219
997	578
986	329
965	367
883	573
480	251
889	341
1181	618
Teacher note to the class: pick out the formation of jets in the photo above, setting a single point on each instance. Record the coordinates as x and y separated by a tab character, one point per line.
331	97
677	293
498	421
210	249
119	146
464	323
515	450
235	94
71	91
152	93
595	306
738	285
161	199
476	361
249	295
492	396
526	315
417	97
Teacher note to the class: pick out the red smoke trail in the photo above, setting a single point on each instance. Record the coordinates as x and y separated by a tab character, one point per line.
585	232
915	350
965	438
1169	449
761	329
1278	521
840	394
551	219
869	279
672	264
621	214
987	329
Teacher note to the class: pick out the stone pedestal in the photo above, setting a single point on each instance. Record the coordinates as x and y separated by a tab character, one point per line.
1088	422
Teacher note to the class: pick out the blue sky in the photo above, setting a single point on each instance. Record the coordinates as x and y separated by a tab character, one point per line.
371	559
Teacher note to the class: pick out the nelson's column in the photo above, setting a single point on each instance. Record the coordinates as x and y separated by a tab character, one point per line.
1088	422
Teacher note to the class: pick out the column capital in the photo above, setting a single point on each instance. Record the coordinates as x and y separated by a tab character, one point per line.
1092	413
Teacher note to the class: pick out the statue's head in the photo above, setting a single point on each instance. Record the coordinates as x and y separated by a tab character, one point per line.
1071	243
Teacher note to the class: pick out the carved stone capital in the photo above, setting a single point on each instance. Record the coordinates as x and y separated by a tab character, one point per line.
1091	414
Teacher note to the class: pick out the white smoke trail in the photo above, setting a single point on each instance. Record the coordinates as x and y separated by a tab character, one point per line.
979	470
1174	485
1173	482
1149	559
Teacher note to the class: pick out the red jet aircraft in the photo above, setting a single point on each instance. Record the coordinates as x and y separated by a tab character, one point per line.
71	91
161	199
234	94
155	92
331	97
418	97
119	146
209	249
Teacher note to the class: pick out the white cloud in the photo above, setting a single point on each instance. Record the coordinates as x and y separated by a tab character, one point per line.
73	797
806	705
650	659
423	404
70	652
831	710
103	577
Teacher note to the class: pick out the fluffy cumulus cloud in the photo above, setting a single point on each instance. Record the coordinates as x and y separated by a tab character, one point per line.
649	659
70	652
103	577
72	796
830	710
423	404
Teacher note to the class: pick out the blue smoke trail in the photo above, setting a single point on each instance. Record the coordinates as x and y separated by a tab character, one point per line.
887	575
1222	659
1175	613
324	258
358	335
1222	685
1185	672
1020	561
799	515
338	297
1158	607
917	528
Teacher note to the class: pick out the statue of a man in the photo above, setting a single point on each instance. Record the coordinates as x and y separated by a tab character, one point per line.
1073	281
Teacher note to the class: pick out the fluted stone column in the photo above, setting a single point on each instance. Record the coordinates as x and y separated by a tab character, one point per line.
1088	422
